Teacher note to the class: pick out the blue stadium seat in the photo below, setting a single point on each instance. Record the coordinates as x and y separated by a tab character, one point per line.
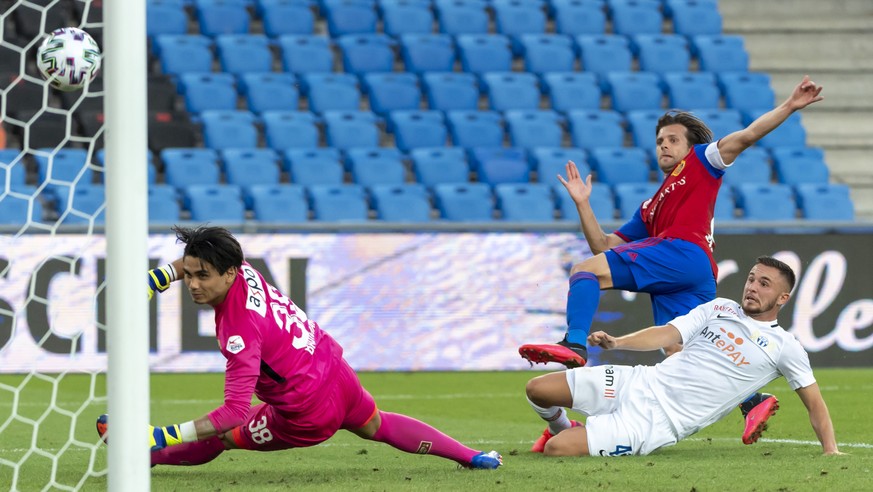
825	201
281	17
596	128
725	206
720	53
427	52
279	203
751	166
287	129
165	18
475	128
692	90
513	18
662	53
401	203
576	17
796	165
451	91
549	162
183	167
722	122
439	165
765	201
604	53
642	124
537	128
306	54
630	196
12	164
601	200
81	204
215	203
631	17
321	166
14	207
620	165
228	129
406	17
244	53
350	17
339	203
204	91
392	91
494	165
248	167
414	129
747	91
376	166
462	17
223	17
789	134
364	53
163	204
695	17
184	53
63	167
347	129
548	53
332	91
512	90
572	90
270	91
525	202
465	202
635	90
481	53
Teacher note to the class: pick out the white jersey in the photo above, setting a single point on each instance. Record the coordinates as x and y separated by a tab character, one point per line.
727	357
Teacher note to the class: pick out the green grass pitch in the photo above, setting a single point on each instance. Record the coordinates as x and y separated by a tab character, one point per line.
484	410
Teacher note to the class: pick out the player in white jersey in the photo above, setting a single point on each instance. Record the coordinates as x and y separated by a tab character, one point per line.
731	350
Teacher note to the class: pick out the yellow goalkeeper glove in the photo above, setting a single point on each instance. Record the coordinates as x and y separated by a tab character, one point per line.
160	279
162	437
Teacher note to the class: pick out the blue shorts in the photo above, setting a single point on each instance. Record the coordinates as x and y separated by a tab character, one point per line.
677	274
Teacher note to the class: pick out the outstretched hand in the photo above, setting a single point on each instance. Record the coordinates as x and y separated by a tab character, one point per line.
579	190
806	93
601	339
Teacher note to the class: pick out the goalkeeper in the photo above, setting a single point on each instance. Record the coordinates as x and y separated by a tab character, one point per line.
285	359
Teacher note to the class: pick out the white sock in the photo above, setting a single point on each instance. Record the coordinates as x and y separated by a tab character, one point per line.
555	416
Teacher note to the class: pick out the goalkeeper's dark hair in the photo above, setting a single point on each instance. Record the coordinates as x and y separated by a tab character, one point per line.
783	268
696	130
215	245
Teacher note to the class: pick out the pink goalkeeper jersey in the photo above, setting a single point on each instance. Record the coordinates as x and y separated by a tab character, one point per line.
273	351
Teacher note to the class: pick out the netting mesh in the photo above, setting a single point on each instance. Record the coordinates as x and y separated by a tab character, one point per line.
52	385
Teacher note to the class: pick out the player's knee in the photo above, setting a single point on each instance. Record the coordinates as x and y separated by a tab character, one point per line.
227	439
536	391
578	268
565	444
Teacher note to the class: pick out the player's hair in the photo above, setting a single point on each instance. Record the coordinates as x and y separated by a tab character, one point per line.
696	130
783	268
215	245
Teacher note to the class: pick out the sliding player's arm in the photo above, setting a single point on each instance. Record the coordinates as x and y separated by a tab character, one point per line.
160	278
819	417
651	338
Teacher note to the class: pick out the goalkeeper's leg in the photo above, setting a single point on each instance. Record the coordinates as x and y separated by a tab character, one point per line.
189	453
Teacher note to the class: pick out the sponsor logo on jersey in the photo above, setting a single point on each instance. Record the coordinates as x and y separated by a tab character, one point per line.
724	309
608	382
424	447
729	345
235	344
256	299
762	341
678	168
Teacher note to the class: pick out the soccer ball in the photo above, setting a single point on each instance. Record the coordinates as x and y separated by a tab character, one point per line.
68	58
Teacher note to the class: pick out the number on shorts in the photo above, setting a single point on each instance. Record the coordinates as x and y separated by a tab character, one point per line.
260	433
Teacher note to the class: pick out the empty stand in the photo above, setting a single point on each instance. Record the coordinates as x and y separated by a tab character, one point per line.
747	91
184	53
496	165
525	202
406	17
751	166
229	129
414	129
427	52
662	53
465	202
697	90
205	91
440	165
604	53
451	91
579	17
306	54
376	166
630	196
81	204
339	203
796	165
248	167
635	90
270	91
766	201
528	129
475	128
215	203
362	53
512	90
332	91
596	128
825	201
480	53
347	129
279	203
642	124
401	203
720	53
163	204
218	17
620	165
184	167
244	53
321	166
462	17
548	53
281	17
569	91
392	91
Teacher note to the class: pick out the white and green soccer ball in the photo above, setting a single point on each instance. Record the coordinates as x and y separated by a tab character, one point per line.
68	58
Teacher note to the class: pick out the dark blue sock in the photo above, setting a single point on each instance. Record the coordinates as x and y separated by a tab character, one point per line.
582	301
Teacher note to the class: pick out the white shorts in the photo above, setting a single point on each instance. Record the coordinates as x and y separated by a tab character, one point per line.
623	416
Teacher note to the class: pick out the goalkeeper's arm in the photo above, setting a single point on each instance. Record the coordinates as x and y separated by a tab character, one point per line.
160	278
193	430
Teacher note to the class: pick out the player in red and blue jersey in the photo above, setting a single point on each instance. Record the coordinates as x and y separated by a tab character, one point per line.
666	249
276	353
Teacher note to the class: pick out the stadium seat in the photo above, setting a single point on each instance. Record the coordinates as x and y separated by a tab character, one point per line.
228	129
549	162
635	90
414	129
270	91
183	167
630	196
747	91
223	17
440	165
14	169
725	206
548	53
574	17
512	90
244	53
401	203
596	128
465	202
161	93
620	165
751	166
789	134
81	204
825	201
163	204
208	91
184	53
569	91
376	166
167	129
290	129
604	53
321	166
475	128
797	165
281	17
215	203
514	18
765	201
350	17
392	91
14	207
696	90
347	129
494	165
695	17
722	122
63	168
451	91
720	53
427	53
339	203
306	54
362	53
332	91
406	17
165	18
525	202
662	53
538	128
248	167
642	124
630	17
480	53
601	200
462	17
278	203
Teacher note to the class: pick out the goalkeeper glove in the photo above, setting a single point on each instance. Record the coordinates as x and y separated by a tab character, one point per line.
162	437
160	279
